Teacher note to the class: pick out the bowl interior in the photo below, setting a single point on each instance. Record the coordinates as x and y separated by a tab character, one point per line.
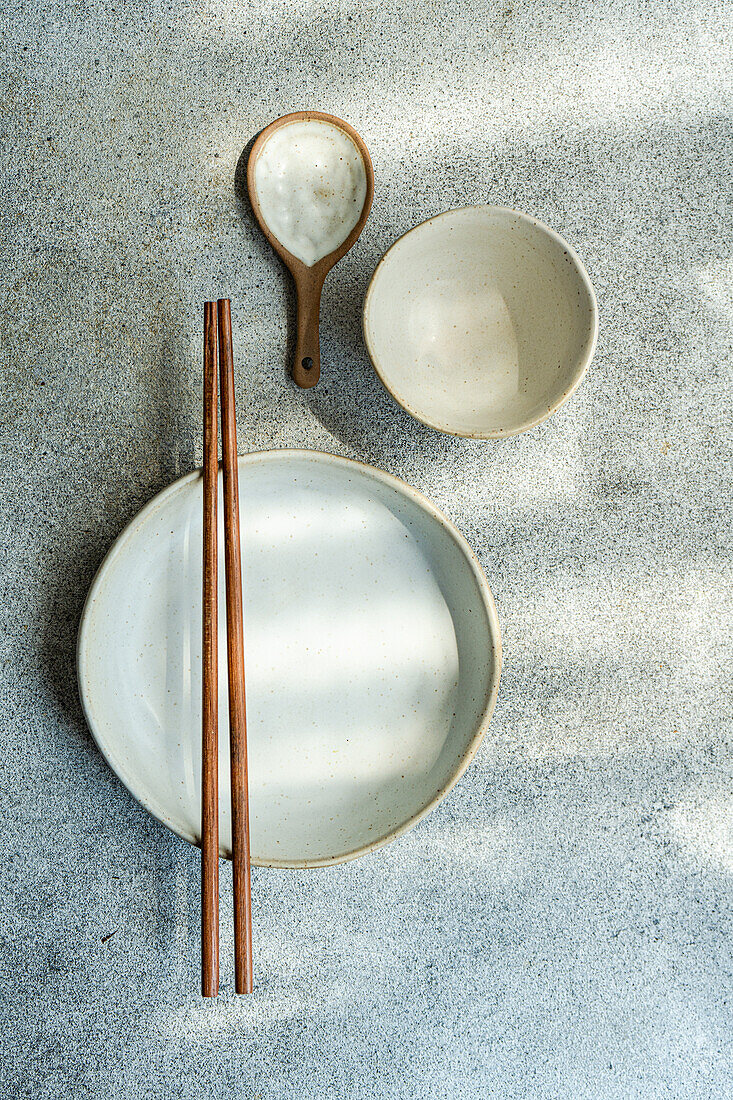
372	657
480	321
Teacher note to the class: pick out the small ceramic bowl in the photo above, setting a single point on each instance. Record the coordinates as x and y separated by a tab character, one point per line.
481	321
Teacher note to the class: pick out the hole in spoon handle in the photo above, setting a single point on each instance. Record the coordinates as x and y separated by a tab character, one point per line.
307	361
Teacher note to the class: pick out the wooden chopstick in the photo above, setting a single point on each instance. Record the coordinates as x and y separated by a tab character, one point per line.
210	677
235	655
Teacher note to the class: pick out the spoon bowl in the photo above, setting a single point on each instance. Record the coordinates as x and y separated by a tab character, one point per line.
311	183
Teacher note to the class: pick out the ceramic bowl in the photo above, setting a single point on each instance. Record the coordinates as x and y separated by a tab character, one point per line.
372	657
481	321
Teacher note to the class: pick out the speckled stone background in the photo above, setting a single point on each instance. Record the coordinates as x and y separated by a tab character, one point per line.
560	925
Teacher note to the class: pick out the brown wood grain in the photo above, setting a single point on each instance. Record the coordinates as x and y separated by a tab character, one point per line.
306	369
210	677
235	653
309	281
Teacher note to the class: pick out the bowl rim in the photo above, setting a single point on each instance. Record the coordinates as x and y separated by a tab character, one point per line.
578	374
395	483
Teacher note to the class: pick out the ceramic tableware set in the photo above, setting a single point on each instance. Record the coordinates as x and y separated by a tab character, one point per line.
372	641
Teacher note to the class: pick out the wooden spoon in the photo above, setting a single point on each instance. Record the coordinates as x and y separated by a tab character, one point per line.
311	188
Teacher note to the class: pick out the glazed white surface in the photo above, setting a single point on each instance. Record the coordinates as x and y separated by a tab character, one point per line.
372	656
311	185
480	321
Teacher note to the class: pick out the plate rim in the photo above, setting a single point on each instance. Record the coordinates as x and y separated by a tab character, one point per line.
395	483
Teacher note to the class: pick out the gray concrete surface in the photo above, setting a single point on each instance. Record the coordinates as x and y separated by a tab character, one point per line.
560	925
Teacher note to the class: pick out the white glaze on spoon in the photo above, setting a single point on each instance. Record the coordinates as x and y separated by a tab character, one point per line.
311	186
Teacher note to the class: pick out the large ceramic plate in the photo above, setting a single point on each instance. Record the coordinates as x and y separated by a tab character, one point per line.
372	655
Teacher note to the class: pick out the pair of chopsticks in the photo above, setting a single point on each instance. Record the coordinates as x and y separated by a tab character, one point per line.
218	331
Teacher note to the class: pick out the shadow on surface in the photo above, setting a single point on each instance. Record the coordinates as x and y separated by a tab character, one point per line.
164	454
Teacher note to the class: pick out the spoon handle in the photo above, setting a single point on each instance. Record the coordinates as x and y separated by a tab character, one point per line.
307	363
